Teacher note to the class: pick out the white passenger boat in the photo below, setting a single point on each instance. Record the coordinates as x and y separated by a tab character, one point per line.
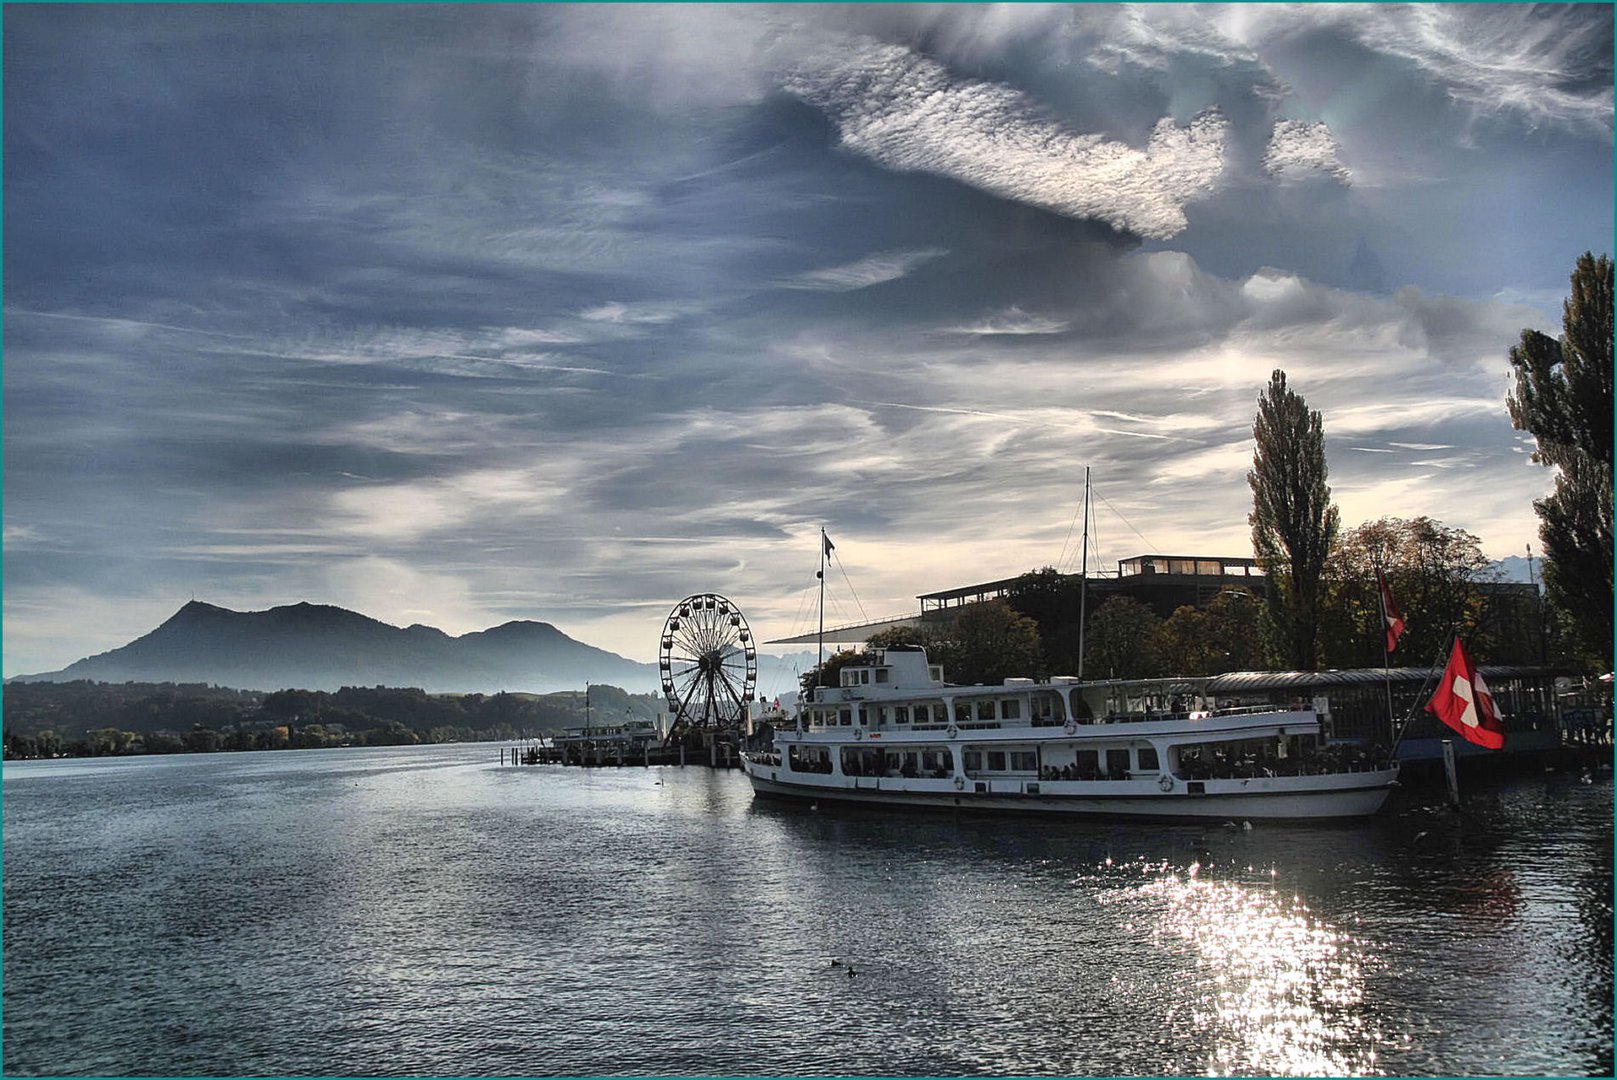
895	734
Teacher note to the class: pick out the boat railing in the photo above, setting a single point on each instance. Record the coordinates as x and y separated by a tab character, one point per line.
1108	718
1191	714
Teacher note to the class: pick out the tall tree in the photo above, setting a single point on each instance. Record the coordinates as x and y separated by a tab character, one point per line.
1122	641
1234	620
1052	600
1293	521
1187	636
1435	572
996	643
1563	397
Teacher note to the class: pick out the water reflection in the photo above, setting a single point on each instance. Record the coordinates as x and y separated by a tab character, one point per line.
362	913
1275	989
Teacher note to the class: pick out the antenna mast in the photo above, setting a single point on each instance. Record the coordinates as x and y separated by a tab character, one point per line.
1083	578
825	546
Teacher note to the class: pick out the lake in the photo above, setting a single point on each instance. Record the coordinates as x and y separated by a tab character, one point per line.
426	911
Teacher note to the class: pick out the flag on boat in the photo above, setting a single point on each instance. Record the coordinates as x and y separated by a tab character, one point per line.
1390	613
829	546
1464	703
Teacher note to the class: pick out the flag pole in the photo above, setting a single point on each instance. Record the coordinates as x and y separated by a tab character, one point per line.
1386	657
1437	665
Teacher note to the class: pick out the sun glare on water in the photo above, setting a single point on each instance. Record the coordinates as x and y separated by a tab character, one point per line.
1270	989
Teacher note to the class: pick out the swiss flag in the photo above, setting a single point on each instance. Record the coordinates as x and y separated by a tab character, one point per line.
1463	702
1390	613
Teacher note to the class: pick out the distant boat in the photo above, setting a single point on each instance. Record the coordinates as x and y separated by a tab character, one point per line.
895	734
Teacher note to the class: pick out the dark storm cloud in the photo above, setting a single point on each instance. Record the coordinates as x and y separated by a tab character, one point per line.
454	315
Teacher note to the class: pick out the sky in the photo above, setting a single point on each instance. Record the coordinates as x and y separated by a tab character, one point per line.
459	315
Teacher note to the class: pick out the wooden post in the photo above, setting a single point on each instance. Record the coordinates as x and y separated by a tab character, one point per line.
502	755
682	755
1451	773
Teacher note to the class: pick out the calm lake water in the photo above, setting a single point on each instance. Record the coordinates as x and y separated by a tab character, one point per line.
423	910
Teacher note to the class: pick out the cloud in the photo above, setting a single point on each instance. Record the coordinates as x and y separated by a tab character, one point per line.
907	112
1545	64
412	511
1013	321
863	273
665	289
398	593
1535	62
1302	151
652	314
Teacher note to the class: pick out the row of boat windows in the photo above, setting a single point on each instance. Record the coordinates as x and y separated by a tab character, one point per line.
1118	759
1079	764
1040	707
863	676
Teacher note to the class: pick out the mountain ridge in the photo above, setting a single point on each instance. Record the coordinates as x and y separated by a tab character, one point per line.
323	647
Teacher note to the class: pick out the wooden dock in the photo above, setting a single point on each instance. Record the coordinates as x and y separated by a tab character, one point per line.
718	756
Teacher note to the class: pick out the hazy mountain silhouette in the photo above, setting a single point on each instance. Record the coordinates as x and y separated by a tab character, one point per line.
318	647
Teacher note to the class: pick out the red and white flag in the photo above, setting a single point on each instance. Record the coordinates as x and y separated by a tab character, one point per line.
1463	702
1390	613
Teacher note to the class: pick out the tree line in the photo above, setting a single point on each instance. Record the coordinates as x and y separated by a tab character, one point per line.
87	719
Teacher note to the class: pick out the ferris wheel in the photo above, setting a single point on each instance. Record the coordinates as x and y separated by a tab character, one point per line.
708	662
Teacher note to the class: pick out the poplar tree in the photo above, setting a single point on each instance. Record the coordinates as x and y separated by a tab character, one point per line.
1563	397
1293	521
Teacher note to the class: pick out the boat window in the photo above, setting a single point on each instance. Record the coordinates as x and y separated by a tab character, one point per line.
881	675
985	710
1010	709
974	760
996	761
946	760
901	714
858	762
934	672
864	676
961	713
864	716
923	715
1087	763
1024	761
1117	762
845	717
802	759
1148	758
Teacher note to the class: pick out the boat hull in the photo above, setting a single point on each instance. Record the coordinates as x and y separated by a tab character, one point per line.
1303	798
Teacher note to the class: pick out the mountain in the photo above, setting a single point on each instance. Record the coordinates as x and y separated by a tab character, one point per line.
318	647
1517	568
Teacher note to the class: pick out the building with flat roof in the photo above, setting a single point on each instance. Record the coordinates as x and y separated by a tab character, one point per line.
1161	582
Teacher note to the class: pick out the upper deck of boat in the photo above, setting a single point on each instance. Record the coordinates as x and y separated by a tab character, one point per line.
897	689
